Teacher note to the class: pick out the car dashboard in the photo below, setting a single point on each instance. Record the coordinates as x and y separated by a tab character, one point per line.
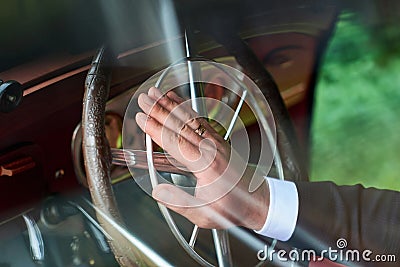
46	214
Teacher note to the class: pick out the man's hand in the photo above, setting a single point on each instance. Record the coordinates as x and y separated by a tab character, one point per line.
222	198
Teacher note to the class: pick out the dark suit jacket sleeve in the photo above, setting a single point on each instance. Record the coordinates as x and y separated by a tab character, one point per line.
367	218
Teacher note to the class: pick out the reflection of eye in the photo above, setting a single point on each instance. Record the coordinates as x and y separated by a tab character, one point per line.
279	57
277	60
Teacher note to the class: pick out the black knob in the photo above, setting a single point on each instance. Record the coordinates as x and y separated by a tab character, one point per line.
56	210
10	95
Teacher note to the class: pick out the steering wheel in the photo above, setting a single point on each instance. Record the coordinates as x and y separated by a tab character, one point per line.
97	158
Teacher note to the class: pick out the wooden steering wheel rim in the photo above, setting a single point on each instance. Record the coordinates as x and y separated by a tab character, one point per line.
97	159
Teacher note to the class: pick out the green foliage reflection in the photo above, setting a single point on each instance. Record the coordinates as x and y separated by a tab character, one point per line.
356	124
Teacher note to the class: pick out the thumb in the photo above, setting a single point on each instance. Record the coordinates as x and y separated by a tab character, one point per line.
188	206
174	197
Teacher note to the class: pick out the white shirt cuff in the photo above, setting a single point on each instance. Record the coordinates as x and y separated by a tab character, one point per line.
283	210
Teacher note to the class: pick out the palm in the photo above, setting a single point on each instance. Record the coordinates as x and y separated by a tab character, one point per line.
222	198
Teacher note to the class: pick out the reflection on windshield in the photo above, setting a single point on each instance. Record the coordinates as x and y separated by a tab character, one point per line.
358	76
356	123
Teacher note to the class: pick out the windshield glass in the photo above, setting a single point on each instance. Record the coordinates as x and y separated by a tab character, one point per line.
220	100
357	101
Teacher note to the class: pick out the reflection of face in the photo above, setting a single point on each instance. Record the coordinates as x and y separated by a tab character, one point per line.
289	57
113	127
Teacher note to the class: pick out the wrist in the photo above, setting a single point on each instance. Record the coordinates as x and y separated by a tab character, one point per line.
258	201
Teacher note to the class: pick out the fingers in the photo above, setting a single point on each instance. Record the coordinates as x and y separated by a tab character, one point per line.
178	121
176	114
179	147
173	126
156	94
179	108
174	97
190	207
196	158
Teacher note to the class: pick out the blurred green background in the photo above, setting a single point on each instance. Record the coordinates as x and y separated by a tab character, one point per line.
356	124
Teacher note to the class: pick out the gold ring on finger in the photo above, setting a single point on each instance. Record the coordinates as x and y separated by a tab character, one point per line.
200	130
